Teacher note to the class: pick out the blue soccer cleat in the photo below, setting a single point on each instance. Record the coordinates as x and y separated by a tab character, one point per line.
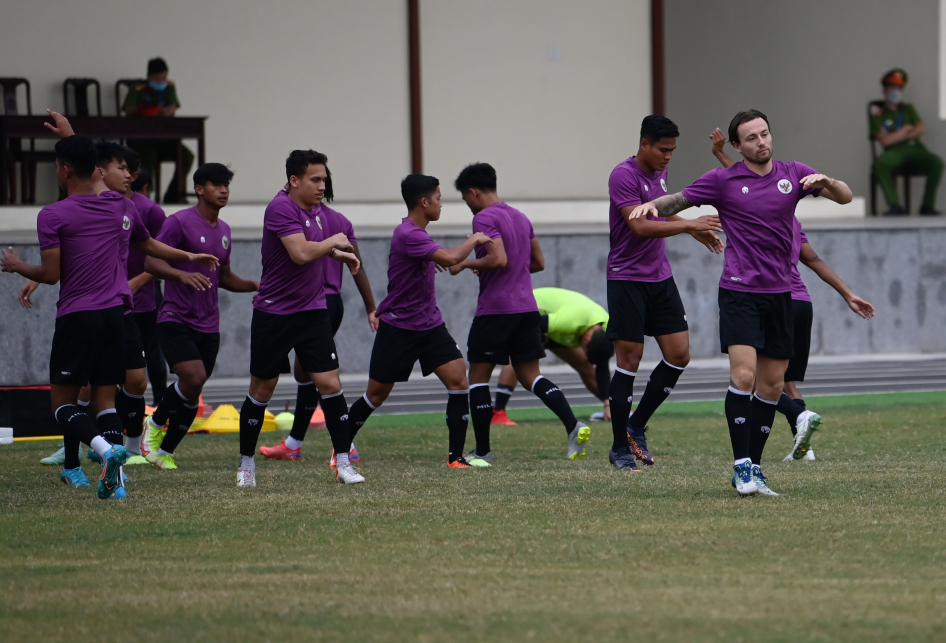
74	477
110	482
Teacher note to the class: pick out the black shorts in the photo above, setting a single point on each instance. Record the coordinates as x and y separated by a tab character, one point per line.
397	350
134	346
181	343
497	339
760	320
272	336
89	347
147	327
802	316
639	308
336	311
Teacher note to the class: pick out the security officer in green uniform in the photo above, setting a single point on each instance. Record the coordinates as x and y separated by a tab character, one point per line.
158	97
898	127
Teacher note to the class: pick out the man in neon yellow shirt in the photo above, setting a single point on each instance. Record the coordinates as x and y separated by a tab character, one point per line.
573	327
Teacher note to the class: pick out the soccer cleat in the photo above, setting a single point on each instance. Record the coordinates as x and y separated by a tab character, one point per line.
597	416
151	438
348	474
577	439
807	424
352	451
94	457
810	456
460	463
161	460
282	452
638	442
623	459
56	459
136	459
761	482
479	463
246	478
742	480
472	455
110	482
500	417
74	477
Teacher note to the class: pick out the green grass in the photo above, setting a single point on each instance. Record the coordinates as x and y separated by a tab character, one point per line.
537	548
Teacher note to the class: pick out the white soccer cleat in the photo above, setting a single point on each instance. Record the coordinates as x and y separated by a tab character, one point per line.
347	474
808	422
810	456
597	416
761	483
742	480
577	439
246	478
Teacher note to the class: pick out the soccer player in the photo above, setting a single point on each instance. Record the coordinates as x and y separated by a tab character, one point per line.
189	320
290	311
573	327
507	325
756	201
307	395
790	403
411	327
642	296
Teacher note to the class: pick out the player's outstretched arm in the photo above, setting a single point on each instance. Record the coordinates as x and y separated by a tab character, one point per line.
673	226
154	248
494	259
60	125
449	257
46	273
719	143
827	274
665	206
302	251
364	289
230	281
163	270
832	189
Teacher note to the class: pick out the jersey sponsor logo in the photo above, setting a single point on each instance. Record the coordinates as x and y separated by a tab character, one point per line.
126	223
646	189
663	184
736	278
203	240
319	221
308	223
268	301
745	190
65	372
333	355
225	242
785	186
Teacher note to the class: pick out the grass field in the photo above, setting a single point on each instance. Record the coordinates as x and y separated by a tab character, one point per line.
538	548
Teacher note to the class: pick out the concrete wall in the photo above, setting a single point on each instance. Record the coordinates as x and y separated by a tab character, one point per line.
811	66
901	270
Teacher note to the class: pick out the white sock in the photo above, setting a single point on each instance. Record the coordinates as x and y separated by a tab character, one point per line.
153	425
163	452
341	460
133	445
742	461
292	443
100	445
248	462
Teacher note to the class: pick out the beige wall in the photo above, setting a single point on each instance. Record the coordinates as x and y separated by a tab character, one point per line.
550	92
272	76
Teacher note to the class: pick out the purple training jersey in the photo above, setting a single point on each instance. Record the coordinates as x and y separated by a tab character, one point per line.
334	222
187	230
507	290
634	258
92	233
799	292
286	287
152	217
411	303
757	214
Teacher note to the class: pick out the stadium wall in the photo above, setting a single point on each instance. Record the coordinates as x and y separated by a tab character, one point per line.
901	269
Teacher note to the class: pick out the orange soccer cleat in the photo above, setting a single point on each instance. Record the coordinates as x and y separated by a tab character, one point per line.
281	452
500	417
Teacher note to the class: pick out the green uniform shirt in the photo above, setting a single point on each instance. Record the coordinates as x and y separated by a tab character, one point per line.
147	101
570	314
891	121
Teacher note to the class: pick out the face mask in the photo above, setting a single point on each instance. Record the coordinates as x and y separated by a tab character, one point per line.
894	96
160	87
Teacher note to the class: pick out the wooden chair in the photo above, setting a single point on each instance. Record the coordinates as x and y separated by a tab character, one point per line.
80	96
15	153
876	149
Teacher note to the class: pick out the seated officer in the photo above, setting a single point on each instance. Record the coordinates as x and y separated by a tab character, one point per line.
158	98
898	128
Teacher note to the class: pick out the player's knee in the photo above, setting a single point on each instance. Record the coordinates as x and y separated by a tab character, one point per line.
680	360
743	378
135	383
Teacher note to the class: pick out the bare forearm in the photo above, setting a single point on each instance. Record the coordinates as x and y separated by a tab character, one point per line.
827	274
671	204
453	256
154	248
724	159
838	191
232	283
38	274
162	269
364	288
659	229
486	262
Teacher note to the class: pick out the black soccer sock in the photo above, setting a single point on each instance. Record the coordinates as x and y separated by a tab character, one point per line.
621	394
251	423
553	398
358	415
763	414
131	410
458	420
76	427
178	428
503	393
85	407
659	387
307	400
172	402
790	409
336	421
481	411
110	426
738	416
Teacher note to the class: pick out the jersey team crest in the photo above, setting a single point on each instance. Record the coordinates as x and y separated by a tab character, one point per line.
319	221
225	242
663	184
784	186
126	223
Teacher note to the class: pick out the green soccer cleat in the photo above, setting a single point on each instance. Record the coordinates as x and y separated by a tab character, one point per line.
577	439
161	460
136	459
151	438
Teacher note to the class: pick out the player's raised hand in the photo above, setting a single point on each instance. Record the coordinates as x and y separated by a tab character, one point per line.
863	308
643	210
204	260
11	260
814	181
347	258
373	321
479	238
718	140
341	242
62	128
195	280
26	292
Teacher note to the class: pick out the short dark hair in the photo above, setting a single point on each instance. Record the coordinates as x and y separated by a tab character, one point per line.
481	176
600	348
656	127
216	173
77	153
108	151
132	159
744	117
157	66
144	178
416	187
299	161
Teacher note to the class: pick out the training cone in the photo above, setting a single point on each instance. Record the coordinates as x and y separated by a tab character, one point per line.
284	421
269	422
204	411
318	420
226	419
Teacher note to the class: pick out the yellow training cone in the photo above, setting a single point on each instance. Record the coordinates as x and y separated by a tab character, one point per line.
225	419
